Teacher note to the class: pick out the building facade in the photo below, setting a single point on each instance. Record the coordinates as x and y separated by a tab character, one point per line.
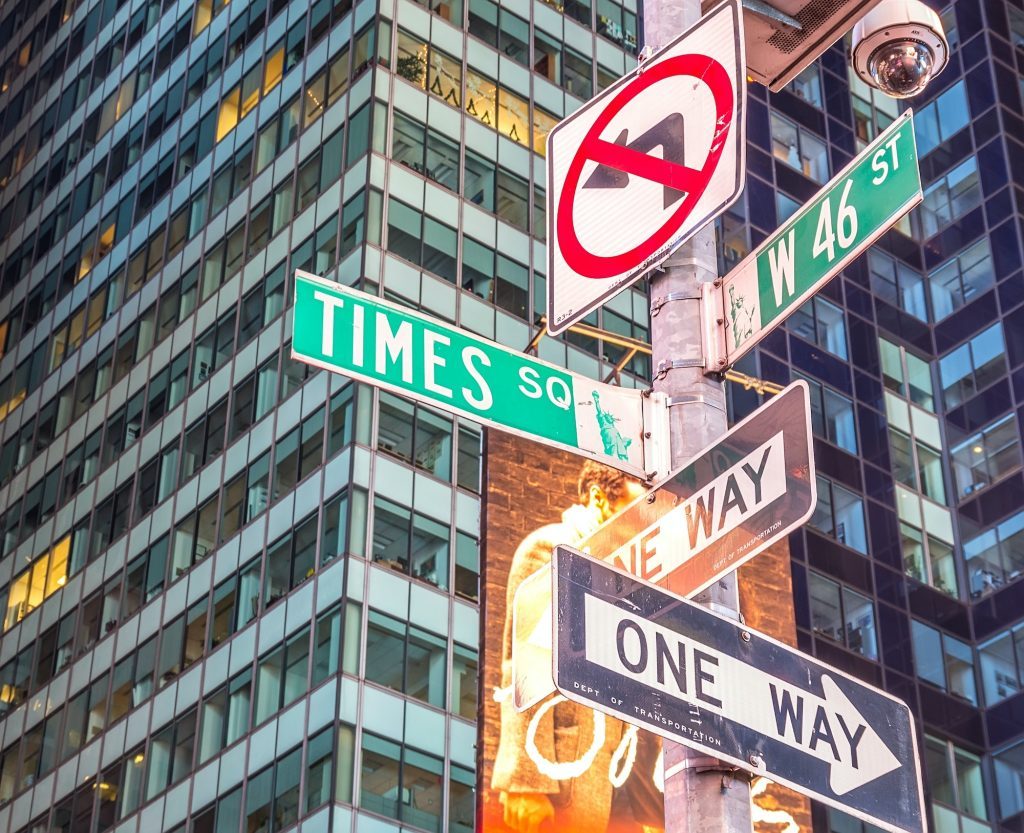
239	594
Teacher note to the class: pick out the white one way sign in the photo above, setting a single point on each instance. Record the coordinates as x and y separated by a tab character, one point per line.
630	649
726	505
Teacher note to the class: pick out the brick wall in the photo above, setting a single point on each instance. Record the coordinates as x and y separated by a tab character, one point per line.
527	486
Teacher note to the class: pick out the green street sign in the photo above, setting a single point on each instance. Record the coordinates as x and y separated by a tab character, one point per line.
879	186
394	347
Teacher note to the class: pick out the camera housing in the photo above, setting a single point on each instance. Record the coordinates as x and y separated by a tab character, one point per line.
899	46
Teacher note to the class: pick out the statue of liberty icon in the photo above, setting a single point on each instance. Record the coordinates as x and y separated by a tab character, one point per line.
611	437
740	318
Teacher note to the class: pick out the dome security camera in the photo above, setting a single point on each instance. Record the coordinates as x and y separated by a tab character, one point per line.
899	46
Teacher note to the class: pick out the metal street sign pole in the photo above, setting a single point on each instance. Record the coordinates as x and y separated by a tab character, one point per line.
397	348
695	798
630	649
858	205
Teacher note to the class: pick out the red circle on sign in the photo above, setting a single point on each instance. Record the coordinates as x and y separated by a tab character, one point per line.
692	180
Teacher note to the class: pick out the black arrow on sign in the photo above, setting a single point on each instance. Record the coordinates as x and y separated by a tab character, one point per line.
668	134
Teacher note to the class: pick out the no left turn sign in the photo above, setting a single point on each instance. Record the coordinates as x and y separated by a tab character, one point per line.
641	167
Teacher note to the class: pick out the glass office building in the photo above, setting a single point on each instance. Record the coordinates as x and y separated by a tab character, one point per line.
239	594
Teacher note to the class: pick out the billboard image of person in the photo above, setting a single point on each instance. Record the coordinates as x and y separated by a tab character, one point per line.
557	765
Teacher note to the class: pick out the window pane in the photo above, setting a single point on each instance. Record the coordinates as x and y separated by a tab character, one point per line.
429	559
464	682
422	790
859	618
426	659
960	668
379	782
826	613
391	534
385	650
928	659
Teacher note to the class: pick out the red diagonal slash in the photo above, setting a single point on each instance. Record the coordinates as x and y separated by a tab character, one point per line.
623	158
692	180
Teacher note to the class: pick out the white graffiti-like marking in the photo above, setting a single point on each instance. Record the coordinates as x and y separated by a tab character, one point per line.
625	754
759	813
556	770
622	761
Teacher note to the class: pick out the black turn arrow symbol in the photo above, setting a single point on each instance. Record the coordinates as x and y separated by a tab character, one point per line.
668	134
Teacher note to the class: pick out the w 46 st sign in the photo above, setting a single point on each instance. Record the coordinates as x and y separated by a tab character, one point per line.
845	217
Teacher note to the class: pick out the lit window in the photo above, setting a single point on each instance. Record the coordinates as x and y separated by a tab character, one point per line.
944	661
994	556
1002	665
47	574
411	62
207	10
843	615
957	787
444	79
840	514
227	116
950	197
799	148
973	366
273	70
981	458
542	125
962	279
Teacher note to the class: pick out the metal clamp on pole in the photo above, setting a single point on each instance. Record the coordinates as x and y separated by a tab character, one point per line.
701	763
658	303
666	365
709	764
695	399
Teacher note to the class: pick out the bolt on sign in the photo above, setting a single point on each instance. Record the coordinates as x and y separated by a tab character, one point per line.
639	168
394	347
656	660
851	212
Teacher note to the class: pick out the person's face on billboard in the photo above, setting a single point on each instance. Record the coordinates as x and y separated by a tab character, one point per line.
606	507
